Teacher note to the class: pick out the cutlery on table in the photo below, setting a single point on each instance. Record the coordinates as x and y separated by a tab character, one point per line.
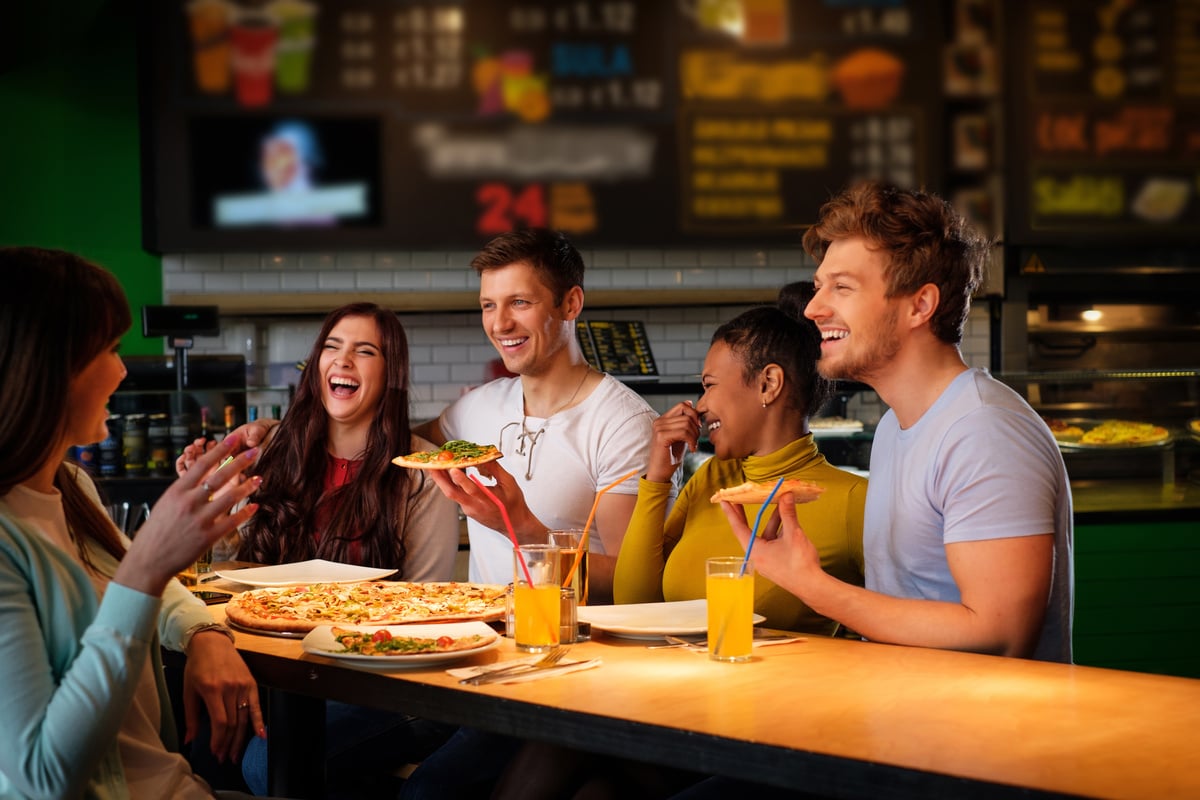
702	644
552	657
533	673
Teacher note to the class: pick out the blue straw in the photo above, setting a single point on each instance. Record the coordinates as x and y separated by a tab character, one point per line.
757	520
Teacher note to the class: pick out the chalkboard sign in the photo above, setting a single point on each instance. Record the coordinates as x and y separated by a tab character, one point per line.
1105	121
617	347
439	123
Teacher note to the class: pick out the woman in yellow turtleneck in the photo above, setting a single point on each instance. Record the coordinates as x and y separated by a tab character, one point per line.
760	386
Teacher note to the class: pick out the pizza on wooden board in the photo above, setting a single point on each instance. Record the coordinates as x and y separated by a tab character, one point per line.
752	492
455	454
382	642
299	609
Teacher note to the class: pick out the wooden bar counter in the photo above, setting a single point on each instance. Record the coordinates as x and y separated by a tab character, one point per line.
829	716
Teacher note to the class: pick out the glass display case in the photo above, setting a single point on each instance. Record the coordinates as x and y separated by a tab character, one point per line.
1150	465
1137	512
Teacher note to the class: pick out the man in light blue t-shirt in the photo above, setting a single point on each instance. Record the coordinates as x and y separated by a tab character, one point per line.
967	531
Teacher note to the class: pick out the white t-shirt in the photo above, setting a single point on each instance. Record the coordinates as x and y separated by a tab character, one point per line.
578	453
979	464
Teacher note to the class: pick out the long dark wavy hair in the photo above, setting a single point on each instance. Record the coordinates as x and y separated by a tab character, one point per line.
367	511
59	312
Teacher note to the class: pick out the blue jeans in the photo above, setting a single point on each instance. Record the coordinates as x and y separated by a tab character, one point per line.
363	749
464	768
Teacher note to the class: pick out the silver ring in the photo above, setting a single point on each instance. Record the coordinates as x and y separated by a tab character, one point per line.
207	489
244	704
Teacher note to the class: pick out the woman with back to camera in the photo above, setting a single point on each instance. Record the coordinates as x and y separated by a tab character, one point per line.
83	609
329	490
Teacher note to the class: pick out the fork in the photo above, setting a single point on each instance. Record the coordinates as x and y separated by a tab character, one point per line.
552	656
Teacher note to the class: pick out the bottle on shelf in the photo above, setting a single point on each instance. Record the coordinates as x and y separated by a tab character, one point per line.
230	423
205	427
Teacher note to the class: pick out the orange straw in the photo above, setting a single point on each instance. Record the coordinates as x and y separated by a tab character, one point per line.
508	524
583	540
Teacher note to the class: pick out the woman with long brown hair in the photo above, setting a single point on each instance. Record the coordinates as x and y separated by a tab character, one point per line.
83	609
329	488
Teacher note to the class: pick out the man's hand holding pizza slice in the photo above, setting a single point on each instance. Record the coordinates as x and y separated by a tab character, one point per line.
447	466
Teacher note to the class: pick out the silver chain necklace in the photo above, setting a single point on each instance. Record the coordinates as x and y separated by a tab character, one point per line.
531	438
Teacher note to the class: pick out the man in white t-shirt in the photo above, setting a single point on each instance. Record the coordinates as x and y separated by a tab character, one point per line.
967	530
566	430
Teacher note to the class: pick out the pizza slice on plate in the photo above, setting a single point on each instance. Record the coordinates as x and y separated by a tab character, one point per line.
381	642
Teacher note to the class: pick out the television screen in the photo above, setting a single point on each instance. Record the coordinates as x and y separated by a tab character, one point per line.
288	172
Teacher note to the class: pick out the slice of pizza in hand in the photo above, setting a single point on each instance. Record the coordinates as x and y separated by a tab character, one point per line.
455	454
752	492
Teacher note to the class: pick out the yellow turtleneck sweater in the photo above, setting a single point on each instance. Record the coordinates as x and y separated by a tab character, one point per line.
662	555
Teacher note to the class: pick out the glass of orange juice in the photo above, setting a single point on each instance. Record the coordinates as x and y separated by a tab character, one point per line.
730	591
536	597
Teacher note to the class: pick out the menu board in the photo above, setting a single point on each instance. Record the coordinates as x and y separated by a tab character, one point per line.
1106	121
440	123
618	348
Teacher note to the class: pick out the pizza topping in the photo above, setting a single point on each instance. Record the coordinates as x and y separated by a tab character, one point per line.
1115	431
302	608
383	643
1064	431
455	453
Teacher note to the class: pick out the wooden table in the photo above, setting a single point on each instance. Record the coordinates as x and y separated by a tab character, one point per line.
834	717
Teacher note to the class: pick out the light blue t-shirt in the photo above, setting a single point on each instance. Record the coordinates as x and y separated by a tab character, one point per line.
979	464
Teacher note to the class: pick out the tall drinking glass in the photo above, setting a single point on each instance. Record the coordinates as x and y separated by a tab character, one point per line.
568	543
536	597
730	594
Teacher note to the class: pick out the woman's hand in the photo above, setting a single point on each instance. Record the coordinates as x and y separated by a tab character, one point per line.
193	451
673	433
216	675
192	514
254	434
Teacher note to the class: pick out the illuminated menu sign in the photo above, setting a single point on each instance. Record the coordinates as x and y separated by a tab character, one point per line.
304	124
1106	121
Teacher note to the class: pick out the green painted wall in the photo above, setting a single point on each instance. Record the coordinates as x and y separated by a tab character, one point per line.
1137	604
69	158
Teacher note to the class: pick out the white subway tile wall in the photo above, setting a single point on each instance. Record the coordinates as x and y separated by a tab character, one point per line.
448	350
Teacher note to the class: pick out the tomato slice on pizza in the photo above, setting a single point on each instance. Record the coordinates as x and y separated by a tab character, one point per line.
455	454
753	492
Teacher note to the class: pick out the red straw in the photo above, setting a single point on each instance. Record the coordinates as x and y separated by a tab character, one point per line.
508	524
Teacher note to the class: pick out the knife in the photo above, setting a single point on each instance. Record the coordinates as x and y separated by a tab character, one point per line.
504	675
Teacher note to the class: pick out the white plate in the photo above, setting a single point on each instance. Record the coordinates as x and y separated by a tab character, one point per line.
320	641
314	571
651	620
